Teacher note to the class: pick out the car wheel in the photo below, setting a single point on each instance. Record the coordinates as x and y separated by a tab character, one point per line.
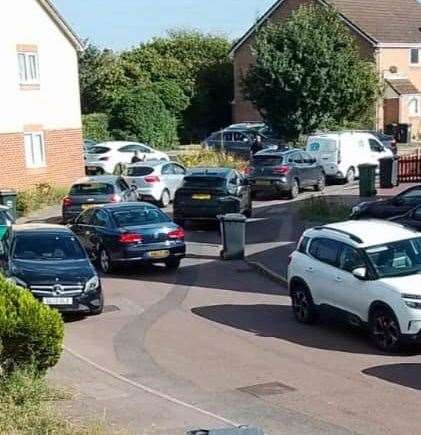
165	199
173	263
100	308
302	304
321	184
385	331
105	262
295	189
350	176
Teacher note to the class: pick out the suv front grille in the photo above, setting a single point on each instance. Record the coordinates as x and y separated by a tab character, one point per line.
56	290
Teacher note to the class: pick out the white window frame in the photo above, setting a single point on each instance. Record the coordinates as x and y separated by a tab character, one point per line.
24	76
416	112
419	57
31	158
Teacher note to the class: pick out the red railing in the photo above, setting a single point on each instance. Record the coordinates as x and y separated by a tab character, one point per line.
409	168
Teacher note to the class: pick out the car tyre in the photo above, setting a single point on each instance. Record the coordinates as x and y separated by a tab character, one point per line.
385	331
105	263
295	189
321	184
303	306
173	263
165	199
98	310
350	176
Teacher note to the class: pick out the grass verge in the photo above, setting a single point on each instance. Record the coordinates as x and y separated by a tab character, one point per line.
320	211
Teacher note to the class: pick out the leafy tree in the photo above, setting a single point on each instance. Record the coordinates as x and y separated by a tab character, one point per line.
139	114
95	127
310	75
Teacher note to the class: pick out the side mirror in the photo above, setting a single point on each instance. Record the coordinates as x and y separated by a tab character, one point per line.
360	273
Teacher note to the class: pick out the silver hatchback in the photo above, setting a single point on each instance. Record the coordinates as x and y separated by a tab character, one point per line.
156	181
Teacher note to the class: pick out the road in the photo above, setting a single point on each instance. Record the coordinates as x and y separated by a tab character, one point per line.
215	344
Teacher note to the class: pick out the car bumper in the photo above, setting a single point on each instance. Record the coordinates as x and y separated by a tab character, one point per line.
281	184
144	254
150	193
205	212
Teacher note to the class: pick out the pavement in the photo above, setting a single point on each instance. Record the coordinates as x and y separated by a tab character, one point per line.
215	345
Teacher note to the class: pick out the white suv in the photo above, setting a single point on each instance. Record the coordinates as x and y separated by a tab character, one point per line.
367	271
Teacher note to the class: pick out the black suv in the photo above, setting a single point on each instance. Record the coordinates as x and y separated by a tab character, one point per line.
209	192
284	172
50	262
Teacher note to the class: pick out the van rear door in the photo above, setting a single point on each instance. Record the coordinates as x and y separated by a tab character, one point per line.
326	151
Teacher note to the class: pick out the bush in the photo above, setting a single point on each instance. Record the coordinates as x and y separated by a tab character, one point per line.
30	333
319	210
212	159
95	127
39	196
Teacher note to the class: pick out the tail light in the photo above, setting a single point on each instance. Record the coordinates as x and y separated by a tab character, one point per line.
177	234
67	202
115	198
152	179
248	170
128	238
284	169
104	159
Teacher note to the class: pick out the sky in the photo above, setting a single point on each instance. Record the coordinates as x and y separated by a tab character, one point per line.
121	24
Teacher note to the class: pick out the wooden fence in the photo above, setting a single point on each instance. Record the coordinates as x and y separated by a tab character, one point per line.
409	168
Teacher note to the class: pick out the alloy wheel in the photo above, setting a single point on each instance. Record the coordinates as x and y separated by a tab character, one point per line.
165	198
385	331
104	261
300	305
295	190
350	176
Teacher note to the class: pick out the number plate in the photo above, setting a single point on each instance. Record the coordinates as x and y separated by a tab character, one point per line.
58	301
159	254
91	168
263	183
201	197
87	206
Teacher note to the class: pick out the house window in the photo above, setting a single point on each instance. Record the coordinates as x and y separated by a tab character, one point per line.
414	107
34	150
415	56
28	68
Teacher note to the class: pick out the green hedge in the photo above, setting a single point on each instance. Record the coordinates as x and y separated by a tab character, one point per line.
95	127
30	333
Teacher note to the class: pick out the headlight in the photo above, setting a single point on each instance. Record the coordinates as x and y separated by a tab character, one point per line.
412	304
409	296
17	281
92	284
356	209
411	301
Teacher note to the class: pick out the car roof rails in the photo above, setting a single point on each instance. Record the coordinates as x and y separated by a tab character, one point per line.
346	233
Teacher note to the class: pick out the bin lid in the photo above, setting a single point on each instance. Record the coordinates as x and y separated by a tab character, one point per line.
367	165
233	217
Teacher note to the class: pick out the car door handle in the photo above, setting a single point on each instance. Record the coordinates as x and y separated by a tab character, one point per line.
310	269
338	279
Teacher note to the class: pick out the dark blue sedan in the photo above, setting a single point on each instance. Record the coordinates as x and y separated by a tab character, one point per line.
115	234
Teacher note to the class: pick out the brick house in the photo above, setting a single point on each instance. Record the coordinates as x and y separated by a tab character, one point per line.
388	32
40	115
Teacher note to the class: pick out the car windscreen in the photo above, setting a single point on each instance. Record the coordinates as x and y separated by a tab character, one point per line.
262	160
397	258
98	150
204	182
139	216
139	171
47	247
320	144
92	189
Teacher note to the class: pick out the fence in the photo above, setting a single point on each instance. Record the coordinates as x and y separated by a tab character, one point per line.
409	168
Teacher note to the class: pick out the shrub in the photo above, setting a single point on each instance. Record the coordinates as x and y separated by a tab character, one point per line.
30	333
95	127
212	159
41	195
321	211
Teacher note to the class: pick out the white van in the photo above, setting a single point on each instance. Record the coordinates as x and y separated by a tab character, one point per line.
341	153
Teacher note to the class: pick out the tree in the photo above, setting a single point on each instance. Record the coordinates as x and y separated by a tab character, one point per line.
139	114
310	75
95	127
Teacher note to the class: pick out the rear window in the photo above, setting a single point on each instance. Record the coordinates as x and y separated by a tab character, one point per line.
267	160
323	145
5	218
204	182
139	216
139	171
92	189
98	150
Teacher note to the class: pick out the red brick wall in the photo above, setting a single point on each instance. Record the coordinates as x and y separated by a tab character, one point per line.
243	110
64	158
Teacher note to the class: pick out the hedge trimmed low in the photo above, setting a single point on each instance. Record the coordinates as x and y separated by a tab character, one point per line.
30	333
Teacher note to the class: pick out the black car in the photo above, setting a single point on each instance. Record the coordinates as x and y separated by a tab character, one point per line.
130	233
209	192
91	191
390	207
285	172
50	262
410	219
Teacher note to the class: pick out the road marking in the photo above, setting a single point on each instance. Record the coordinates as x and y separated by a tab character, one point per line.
150	390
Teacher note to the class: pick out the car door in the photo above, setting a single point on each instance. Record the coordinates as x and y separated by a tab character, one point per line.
295	162
310	169
242	143
320	274
81	227
127	194
411	219
180	173
96	231
168	178
227	142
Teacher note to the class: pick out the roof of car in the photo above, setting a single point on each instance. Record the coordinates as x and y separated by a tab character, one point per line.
150	163
47	228
98	179
209	172
275	152
123	205
372	232
114	144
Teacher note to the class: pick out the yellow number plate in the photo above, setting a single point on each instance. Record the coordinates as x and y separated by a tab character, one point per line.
87	206
159	254
201	196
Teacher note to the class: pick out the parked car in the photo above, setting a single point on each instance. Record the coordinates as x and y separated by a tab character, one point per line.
50	262
209	192
238	138
367	272
89	192
411	219
285	172
341	153
88	144
387	208
387	140
130	233
156	181
107	156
